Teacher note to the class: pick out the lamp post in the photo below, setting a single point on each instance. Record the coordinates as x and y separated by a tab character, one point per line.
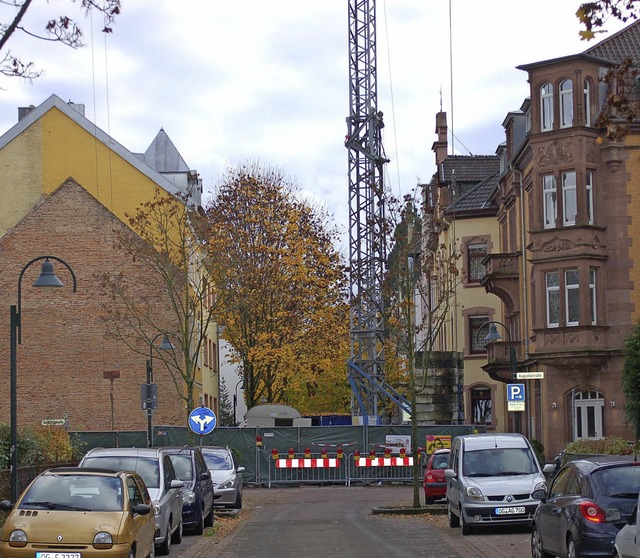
47	278
150	393
235	401
494	335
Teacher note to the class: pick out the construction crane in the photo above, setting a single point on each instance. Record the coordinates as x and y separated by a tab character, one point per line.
367	244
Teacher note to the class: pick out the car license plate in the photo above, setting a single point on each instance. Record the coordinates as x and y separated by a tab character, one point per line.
510	511
58	555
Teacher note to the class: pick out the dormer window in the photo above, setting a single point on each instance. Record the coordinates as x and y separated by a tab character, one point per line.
546	107
566	104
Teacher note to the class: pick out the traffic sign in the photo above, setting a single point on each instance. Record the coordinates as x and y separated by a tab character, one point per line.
202	420
530	375
515	392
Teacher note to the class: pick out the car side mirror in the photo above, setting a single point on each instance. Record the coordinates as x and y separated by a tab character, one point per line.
6	506
141	509
240	469
450	474
176	483
206	475
539	494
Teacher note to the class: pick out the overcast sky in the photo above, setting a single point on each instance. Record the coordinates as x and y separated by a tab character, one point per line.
268	81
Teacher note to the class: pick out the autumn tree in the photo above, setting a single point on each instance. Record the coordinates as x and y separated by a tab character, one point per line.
419	290
61	29
631	380
280	283
594	15
168	241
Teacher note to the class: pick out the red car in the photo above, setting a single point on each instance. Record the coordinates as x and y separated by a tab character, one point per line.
435	485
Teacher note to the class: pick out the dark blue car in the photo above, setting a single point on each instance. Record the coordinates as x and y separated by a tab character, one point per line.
585	507
197	492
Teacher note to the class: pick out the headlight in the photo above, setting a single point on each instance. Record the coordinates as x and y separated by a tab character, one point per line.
541	486
103	540
156	509
225	484
189	497
474	493
18	538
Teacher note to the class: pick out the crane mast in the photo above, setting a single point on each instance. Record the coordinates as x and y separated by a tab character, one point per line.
367	245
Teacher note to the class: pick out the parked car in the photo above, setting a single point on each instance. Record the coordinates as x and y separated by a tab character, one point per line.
156	469
492	481
626	544
586	506
197	492
434	483
226	476
72	511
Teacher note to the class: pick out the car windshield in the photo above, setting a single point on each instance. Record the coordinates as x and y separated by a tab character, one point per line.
182	464
218	461
146	467
618	482
74	492
498	461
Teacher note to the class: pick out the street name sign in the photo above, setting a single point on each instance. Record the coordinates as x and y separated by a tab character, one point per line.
530	375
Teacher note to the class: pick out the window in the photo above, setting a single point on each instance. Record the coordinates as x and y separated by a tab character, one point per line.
566	104
569	201
572	296
587	102
476	252
592	295
589	187
477	342
553	299
546	107
481	406
550	206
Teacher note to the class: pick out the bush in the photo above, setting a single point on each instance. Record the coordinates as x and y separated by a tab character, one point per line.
612	445
538	448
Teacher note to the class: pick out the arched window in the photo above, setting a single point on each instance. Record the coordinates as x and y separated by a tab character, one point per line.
587	102
566	104
546	107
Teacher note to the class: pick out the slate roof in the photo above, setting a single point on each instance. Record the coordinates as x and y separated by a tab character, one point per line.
625	43
479	198
469	168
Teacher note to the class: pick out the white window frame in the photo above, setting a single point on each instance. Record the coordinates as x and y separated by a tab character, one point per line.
546	107
572	296
589	188
552	297
592	296
569	198
566	104
549	201
587	102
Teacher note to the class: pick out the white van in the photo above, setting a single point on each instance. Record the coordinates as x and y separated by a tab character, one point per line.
490	481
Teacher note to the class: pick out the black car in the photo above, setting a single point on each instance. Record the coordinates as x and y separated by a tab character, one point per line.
197	492
585	507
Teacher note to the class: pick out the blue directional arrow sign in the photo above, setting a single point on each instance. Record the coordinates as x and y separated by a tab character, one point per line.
202	420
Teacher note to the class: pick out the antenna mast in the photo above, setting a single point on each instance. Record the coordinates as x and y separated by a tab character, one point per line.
367	245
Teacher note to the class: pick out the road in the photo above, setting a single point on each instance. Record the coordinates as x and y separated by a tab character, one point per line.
337	521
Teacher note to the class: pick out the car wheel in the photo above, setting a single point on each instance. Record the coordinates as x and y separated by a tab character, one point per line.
199	527
165	545
466	528
454	520
429	501
152	552
176	538
536	544
132	554
208	521
571	549
238	504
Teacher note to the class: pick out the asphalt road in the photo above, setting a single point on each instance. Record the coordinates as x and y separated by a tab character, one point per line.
337	521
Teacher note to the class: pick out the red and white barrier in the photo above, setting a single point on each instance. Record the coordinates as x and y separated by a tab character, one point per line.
385	462
311	463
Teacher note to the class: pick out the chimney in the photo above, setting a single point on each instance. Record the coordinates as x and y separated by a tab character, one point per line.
440	145
24	111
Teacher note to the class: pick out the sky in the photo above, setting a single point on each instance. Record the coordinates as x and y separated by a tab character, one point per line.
251	80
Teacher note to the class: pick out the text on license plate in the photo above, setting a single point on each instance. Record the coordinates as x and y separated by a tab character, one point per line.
58	555
507	511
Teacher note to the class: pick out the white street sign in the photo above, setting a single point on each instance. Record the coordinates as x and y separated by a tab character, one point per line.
530	375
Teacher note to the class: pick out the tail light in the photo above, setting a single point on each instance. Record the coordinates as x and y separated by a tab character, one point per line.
592	512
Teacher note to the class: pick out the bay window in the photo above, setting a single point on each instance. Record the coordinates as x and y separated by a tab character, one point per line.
566	104
549	201
569	200
546	107
553	298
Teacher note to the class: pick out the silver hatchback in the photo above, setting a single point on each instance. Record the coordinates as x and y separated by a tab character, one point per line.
155	468
226	476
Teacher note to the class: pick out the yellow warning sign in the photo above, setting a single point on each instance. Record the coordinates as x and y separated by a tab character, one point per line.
436	442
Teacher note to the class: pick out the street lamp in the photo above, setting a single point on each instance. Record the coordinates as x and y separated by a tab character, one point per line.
235	401
150	390
47	278
494	335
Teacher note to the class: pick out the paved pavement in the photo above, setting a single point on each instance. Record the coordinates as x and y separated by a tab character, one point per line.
328	522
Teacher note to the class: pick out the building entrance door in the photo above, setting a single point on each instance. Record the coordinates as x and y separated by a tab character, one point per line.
588	415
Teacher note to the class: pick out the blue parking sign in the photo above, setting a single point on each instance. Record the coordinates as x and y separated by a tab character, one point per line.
515	392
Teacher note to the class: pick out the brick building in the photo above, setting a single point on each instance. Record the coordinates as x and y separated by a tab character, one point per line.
67	188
